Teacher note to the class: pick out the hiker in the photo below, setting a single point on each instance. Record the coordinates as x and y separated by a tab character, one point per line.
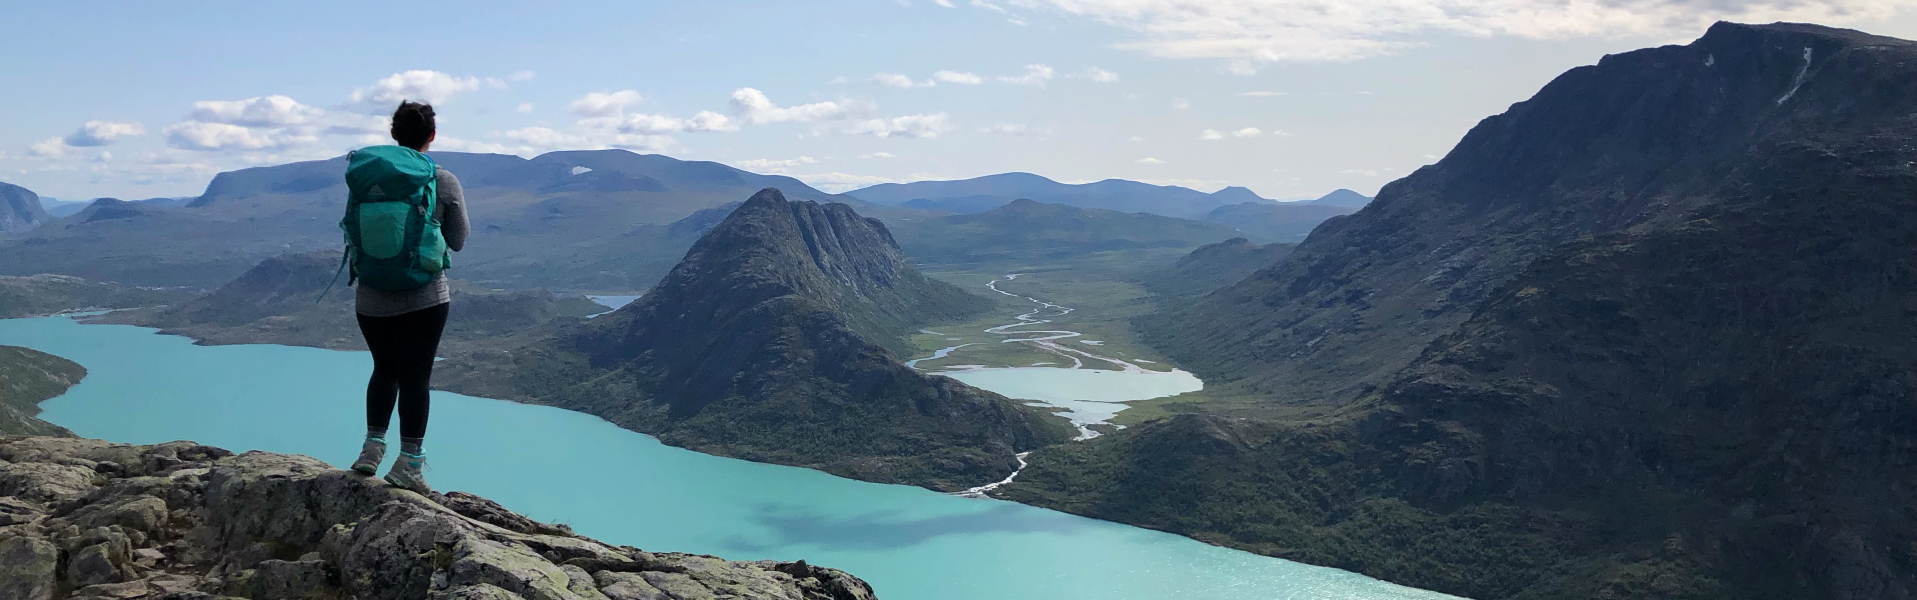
403	216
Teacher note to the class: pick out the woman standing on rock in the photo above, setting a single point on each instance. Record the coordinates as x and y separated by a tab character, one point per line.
404	216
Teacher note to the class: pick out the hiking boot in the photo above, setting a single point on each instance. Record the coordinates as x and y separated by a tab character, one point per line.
370	455
406	473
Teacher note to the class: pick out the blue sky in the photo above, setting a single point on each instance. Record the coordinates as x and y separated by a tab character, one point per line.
1292	98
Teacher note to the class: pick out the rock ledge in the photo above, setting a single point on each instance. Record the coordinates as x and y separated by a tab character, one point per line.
181	521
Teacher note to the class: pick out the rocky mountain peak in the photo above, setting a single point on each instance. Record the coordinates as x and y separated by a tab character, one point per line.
778	339
771	246
20	209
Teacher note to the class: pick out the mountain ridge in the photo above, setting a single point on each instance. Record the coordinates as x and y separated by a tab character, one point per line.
991	191
777	339
20	209
1025	226
549	221
1644	335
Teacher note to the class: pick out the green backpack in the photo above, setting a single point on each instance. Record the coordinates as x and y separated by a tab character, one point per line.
393	242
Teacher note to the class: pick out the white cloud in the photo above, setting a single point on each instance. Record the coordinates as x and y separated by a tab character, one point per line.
908	126
1035	75
900	81
1248	33
536	140
204	136
1016	21
879	155
52	147
1100	75
988	6
605	104
944	3
1180	104
1149	161
101	133
758	109
641	123
1364	172
958	77
1263	94
840	80
1136	139
1017	129
1248	132
1210	134
431	87
605	112
263	111
520	76
774	166
453	144
524	108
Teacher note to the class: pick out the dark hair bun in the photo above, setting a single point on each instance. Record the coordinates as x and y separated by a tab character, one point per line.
413	124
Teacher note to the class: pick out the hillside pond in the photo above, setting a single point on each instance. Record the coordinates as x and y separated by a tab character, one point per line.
626	488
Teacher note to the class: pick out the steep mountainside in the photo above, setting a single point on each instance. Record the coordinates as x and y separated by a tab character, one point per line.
992	191
28	377
1028	228
1213	266
548	221
1266	221
89	519
279	302
777	339
20	209
49	294
1646	335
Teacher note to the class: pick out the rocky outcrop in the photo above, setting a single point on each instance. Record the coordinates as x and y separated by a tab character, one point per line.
20	209
180	521
777	340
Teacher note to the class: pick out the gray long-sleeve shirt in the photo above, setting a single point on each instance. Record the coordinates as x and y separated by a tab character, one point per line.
451	212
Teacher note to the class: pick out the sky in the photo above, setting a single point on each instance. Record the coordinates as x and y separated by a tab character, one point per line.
1291	98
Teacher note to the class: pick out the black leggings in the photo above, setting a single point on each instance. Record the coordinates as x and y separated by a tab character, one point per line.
403	350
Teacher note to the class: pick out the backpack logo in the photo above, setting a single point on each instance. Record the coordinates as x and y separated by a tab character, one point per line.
375	192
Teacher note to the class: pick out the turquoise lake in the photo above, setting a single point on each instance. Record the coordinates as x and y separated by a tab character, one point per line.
625	488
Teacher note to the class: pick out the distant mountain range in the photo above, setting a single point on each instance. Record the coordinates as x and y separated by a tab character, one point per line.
571	220
1266	221
61	209
1025	228
992	191
1648	334
280	301
778	339
1342	197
